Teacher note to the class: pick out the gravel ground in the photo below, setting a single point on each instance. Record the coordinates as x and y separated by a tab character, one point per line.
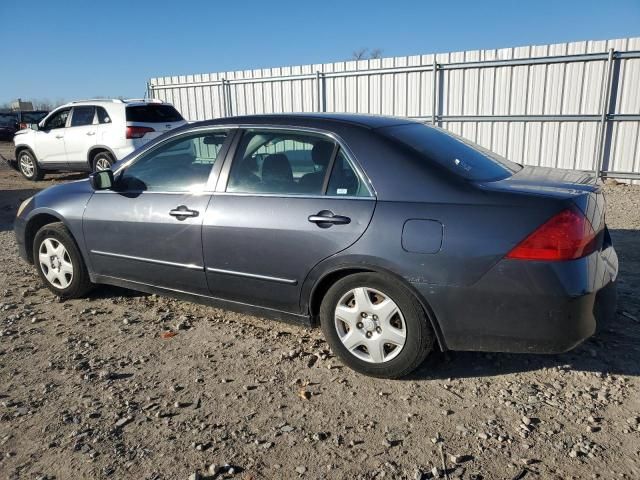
91	389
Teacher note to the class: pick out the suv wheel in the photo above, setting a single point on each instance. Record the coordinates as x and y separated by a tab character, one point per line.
375	325
29	166
59	262
102	161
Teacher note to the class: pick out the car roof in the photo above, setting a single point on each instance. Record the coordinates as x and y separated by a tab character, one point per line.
309	119
112	101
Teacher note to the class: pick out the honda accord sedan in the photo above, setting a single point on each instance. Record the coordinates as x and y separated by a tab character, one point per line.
395	237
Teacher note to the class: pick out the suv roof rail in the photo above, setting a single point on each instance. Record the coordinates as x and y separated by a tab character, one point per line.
144	100
114	100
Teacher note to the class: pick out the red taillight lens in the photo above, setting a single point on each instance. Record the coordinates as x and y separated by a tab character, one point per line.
138	132
22	126
566	236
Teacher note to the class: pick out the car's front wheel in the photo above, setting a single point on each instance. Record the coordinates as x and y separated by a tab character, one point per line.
29	166
375	325
59	262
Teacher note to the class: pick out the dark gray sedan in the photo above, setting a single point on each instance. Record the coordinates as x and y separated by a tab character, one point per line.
396	237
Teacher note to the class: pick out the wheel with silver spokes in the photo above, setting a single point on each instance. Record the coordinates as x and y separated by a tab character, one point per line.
59	262
375	325
28	166
370	325
55	263
102	161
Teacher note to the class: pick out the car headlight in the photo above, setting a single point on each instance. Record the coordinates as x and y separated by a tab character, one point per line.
23	205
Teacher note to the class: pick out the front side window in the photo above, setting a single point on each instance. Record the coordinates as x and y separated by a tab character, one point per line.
179	165
269	161
82	116
58	119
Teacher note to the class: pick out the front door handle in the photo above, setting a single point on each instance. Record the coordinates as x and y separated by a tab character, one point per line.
326	218
182	212
91	133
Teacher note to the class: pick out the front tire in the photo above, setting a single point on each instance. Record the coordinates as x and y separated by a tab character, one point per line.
375	325
28	166
59	262
102	161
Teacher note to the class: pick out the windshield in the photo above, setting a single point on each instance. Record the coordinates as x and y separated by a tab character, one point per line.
458	155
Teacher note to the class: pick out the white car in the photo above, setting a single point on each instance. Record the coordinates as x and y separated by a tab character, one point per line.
91	135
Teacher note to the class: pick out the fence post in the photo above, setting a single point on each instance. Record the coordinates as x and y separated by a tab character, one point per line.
434	105
320	91
605	103
224	97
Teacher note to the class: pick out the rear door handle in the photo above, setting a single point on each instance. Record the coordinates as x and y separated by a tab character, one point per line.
326	218
59	136
182	212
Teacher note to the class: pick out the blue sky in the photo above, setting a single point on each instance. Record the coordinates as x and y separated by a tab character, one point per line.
78	49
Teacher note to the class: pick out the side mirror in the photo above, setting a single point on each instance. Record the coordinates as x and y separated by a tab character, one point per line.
102	180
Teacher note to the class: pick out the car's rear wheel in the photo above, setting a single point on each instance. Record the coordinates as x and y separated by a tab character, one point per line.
29	166
375	325
59	262
102	161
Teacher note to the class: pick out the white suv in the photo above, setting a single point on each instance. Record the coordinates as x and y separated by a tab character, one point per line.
91	135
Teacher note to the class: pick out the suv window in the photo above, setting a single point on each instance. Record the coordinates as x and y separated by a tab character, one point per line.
82	115
153	113
58	119
103	116
179	165
269	161
344	181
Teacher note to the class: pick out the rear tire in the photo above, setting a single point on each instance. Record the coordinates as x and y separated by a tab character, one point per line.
59	262
375	325
28	166
102	161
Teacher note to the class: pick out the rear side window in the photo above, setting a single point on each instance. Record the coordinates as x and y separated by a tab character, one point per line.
153	113
33	117
82	116
7	119
344	181
456	154
103	116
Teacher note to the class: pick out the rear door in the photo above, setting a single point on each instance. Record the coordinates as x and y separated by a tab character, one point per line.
148	229
276	214
80	136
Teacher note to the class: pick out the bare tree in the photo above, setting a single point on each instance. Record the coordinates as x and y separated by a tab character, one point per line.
376	53
360	54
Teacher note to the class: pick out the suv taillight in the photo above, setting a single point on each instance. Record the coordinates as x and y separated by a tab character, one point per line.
566	236
22	126
138	132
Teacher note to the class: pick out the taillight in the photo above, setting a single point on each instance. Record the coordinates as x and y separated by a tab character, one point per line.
566	236
22	126
138	132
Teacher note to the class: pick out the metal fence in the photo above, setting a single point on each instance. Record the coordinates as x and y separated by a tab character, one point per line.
570	105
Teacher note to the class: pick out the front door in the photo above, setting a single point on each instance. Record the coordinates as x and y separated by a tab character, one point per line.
80	136
279	215
50	148
148	229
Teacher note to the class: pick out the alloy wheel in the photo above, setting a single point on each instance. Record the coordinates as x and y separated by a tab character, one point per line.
26	165
102	164
370	325
55	263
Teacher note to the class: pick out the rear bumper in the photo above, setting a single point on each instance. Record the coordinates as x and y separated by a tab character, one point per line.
532	307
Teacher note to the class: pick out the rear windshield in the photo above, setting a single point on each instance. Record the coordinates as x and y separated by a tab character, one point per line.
8	119
458	155
153	114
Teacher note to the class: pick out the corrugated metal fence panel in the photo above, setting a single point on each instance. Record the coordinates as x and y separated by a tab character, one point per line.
404	86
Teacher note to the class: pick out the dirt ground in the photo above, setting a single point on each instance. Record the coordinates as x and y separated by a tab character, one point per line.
90	389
